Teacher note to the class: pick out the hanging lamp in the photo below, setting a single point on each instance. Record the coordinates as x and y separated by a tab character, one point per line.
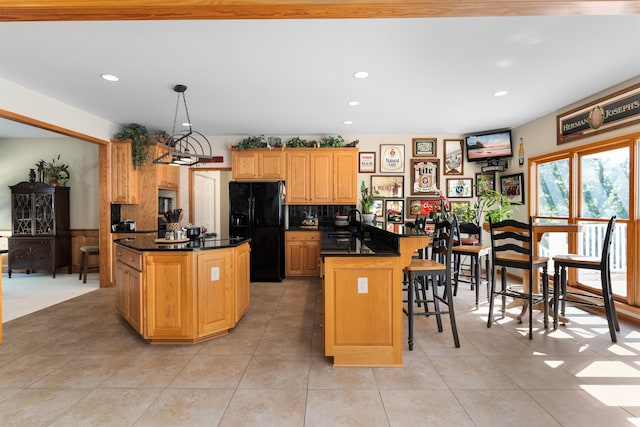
186	147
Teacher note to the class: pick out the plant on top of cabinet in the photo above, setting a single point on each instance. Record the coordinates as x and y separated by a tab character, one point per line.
53	173
140	143
332	141
297	142
258	141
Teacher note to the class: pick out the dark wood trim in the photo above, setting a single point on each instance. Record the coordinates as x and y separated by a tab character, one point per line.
88	10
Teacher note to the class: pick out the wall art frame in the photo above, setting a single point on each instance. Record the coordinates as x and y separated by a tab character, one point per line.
512	186
421	206
394	211
424	147
391	186
425	176
453	157
459	188
366	162
489	177
391	158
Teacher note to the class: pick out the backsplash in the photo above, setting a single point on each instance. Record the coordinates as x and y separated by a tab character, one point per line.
326	213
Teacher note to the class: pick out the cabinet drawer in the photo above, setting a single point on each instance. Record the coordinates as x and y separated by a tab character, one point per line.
303	236
128	257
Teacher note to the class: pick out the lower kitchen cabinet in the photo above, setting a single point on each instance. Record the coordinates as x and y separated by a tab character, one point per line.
129	287
302	253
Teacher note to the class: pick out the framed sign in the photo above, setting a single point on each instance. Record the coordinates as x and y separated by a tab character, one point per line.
425	175
378	208
392	158
394	210
453	157
421	206
424	147
512	186
490	180
461	187
366	162
387	185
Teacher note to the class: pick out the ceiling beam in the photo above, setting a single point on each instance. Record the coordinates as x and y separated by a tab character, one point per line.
94	10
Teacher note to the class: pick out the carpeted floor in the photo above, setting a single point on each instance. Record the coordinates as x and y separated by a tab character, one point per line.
27	293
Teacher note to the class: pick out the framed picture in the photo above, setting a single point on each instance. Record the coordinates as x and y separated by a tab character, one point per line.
392	158
489	178
425	175
453	157
378	209
421	206
387	185
367	162
512	186
424	147
460	187
456	206
394	210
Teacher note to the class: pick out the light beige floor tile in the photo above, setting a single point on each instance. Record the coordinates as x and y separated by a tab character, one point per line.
237	342
345	408
148	371
186	408
6	393
497	408
266	407
277	371
38	407
212	371
539	372
577	408
26	370
323	375
108	407
82	372
418	373
461	372
424	408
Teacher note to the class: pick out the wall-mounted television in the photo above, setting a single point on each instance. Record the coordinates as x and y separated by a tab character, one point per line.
491	145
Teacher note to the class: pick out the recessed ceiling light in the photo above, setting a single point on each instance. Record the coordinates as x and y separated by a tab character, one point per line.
109	77
361	75
500	93
348	122
354	103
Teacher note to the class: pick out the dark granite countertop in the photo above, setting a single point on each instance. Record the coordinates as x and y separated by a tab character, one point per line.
148	243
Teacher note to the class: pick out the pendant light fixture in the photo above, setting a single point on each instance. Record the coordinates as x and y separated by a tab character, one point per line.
186	147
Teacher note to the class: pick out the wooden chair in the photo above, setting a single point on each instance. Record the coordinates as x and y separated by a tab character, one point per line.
602	264
85	253
421	271
512	247
470	238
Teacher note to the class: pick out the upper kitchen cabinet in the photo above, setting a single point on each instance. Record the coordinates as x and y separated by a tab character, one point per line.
322	176
167	176
124	178
258	164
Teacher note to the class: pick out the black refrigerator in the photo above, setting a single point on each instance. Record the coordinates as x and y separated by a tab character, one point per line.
256	211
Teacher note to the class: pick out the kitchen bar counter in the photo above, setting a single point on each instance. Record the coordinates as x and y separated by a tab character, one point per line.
182	292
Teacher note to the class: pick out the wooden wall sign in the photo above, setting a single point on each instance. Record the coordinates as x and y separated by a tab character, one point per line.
610	112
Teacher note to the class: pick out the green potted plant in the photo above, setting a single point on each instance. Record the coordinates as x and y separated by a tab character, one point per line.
53	173
366	200
332	141
491	204
140	148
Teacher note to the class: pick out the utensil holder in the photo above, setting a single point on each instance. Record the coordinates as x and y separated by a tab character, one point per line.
174	226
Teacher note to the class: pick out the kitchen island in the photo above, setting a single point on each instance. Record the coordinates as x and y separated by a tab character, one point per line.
182	292
362	290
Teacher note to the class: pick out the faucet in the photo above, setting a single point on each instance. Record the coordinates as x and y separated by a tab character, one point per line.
355	223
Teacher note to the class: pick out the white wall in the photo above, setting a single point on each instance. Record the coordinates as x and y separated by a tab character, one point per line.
22	154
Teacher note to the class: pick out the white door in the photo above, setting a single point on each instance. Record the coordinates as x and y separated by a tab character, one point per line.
206	200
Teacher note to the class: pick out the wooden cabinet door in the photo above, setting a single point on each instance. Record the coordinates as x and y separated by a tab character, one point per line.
122	293
245	165
345	185
322	176
311	255
215	291
298	177
294	258
124	178
272	164
242	280
134	290
169	298
302	253
166	176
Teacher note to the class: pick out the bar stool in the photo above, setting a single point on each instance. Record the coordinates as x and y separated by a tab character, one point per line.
85	253
470	247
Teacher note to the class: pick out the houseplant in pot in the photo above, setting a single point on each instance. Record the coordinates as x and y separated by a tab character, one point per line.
366	200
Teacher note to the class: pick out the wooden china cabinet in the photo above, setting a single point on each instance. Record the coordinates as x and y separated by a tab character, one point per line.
40	228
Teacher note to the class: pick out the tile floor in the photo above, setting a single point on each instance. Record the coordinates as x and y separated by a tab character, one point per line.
79	364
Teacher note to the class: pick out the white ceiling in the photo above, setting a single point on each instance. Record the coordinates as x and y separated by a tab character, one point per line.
295	77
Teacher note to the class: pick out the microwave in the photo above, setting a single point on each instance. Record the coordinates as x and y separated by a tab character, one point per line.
164	204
